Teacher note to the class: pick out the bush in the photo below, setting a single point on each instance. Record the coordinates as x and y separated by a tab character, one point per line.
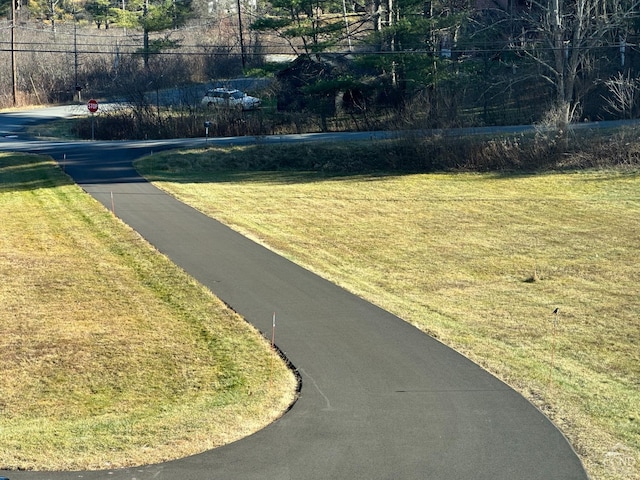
413	153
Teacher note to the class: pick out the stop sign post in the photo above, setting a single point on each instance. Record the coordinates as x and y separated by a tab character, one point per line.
92	105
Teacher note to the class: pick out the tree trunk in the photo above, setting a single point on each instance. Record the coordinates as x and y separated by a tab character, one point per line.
145	34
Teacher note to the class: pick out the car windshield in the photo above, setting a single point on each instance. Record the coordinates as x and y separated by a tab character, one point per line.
237	94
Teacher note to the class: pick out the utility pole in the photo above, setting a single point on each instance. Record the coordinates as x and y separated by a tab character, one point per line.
242	54
14	69
145	33
78	88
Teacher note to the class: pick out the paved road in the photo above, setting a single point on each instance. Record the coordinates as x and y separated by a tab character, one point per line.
379	399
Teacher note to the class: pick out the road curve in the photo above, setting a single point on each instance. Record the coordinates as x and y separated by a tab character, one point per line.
379	400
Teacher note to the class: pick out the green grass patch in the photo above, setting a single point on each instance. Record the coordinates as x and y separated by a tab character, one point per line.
479	261
111	355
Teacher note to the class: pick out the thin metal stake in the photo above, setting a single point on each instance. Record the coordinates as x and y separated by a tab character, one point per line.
553	344
273	342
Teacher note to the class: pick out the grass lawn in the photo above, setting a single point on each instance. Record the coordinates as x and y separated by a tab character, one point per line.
480	261
111	355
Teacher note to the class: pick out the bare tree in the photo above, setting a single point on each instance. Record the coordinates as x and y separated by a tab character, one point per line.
562	38
52	6
623	94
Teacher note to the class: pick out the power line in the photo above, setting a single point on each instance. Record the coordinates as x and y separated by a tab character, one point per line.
201	50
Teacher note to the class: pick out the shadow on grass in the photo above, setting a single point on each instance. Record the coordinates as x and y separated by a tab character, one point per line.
284	164
280	177
292	177
25	172
290	163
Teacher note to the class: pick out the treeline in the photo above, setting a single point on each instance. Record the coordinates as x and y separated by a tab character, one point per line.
428	63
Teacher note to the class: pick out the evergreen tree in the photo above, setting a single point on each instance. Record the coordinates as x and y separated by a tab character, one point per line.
309	26
101	11
153	16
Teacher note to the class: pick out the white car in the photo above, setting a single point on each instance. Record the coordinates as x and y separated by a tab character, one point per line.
224	97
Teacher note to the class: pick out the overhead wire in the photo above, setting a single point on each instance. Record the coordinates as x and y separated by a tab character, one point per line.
130	43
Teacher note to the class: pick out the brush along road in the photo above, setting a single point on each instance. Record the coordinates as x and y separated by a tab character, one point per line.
379	399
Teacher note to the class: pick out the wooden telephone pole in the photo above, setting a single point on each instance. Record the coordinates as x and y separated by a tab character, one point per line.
14	70
242	52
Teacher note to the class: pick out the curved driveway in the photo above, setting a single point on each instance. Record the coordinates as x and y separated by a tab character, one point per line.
379	399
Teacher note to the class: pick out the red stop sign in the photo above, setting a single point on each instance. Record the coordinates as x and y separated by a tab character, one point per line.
92	105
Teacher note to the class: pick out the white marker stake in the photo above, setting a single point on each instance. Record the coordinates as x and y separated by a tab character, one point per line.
273	331
113	205
273	342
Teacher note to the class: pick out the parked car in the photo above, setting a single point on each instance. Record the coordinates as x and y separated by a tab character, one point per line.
228	98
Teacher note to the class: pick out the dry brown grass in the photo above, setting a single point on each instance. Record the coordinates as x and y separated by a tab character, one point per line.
480	261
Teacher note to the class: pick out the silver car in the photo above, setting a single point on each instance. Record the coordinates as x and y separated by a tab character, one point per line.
228	98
